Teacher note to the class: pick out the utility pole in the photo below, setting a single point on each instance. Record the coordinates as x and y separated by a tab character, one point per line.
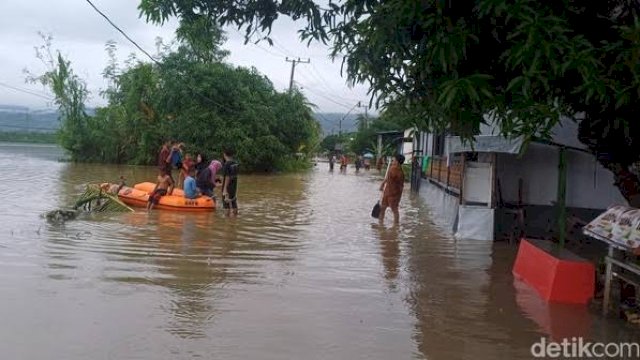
345	115
293	69
366	116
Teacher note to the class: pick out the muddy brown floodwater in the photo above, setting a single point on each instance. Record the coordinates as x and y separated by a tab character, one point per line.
302	273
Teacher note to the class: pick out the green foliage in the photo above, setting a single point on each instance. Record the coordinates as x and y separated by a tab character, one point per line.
95	199
190	96
294	164
521	63
329	142
367	130
70	95
365	138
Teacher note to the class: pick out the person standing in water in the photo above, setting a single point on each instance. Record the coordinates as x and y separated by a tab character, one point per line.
230	183
343	163
214	167
392	187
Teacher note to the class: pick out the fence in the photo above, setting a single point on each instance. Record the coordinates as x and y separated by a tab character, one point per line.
451	175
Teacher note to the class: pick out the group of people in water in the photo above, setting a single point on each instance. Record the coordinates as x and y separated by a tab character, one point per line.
360	162
196	176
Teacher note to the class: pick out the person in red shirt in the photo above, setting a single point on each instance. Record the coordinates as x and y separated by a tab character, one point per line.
187	164
164	159
163	155
343	163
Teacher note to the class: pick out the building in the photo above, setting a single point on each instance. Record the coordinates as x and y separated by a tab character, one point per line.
497	187
401	141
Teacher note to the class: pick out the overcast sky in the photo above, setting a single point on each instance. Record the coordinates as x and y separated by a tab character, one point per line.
80	34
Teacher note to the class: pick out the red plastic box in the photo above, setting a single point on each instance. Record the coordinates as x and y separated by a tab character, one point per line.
556	274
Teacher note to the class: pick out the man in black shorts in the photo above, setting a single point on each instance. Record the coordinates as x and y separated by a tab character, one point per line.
164	186
230	183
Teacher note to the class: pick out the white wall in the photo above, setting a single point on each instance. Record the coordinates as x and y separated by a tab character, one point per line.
589	184
407	147
442	206
538	167
429	144
421	142
477	182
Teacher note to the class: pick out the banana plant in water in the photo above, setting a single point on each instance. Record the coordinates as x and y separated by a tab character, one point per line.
94	199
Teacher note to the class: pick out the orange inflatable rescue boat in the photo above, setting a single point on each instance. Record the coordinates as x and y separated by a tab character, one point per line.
139	196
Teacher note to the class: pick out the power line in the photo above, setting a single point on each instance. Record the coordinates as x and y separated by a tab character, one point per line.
328	98
316	74
160	64
267	51
151	57
277	45
283	52
330	94
122	32
26	91
258	45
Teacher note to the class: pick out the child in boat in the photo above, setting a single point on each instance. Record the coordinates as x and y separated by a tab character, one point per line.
230	183
184	171
190	189
164	185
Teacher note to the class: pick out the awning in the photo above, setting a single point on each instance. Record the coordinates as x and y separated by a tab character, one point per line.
485	143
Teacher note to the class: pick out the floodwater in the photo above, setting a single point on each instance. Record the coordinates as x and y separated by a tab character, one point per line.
302	273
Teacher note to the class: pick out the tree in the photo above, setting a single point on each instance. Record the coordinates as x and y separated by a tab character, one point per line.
366	135
188	95
70	95
329	142
447	64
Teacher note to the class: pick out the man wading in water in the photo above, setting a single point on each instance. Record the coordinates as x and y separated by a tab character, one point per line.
392	187
230	183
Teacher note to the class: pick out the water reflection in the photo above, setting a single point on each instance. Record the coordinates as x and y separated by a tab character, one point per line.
390	252
451	298
194	256
557	321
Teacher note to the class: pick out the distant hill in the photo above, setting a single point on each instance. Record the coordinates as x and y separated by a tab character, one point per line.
16	108
330	122
22	119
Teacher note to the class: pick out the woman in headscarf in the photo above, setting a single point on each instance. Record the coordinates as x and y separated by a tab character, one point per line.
203	176
214	167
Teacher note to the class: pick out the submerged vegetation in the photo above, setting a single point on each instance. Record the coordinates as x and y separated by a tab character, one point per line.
188	94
